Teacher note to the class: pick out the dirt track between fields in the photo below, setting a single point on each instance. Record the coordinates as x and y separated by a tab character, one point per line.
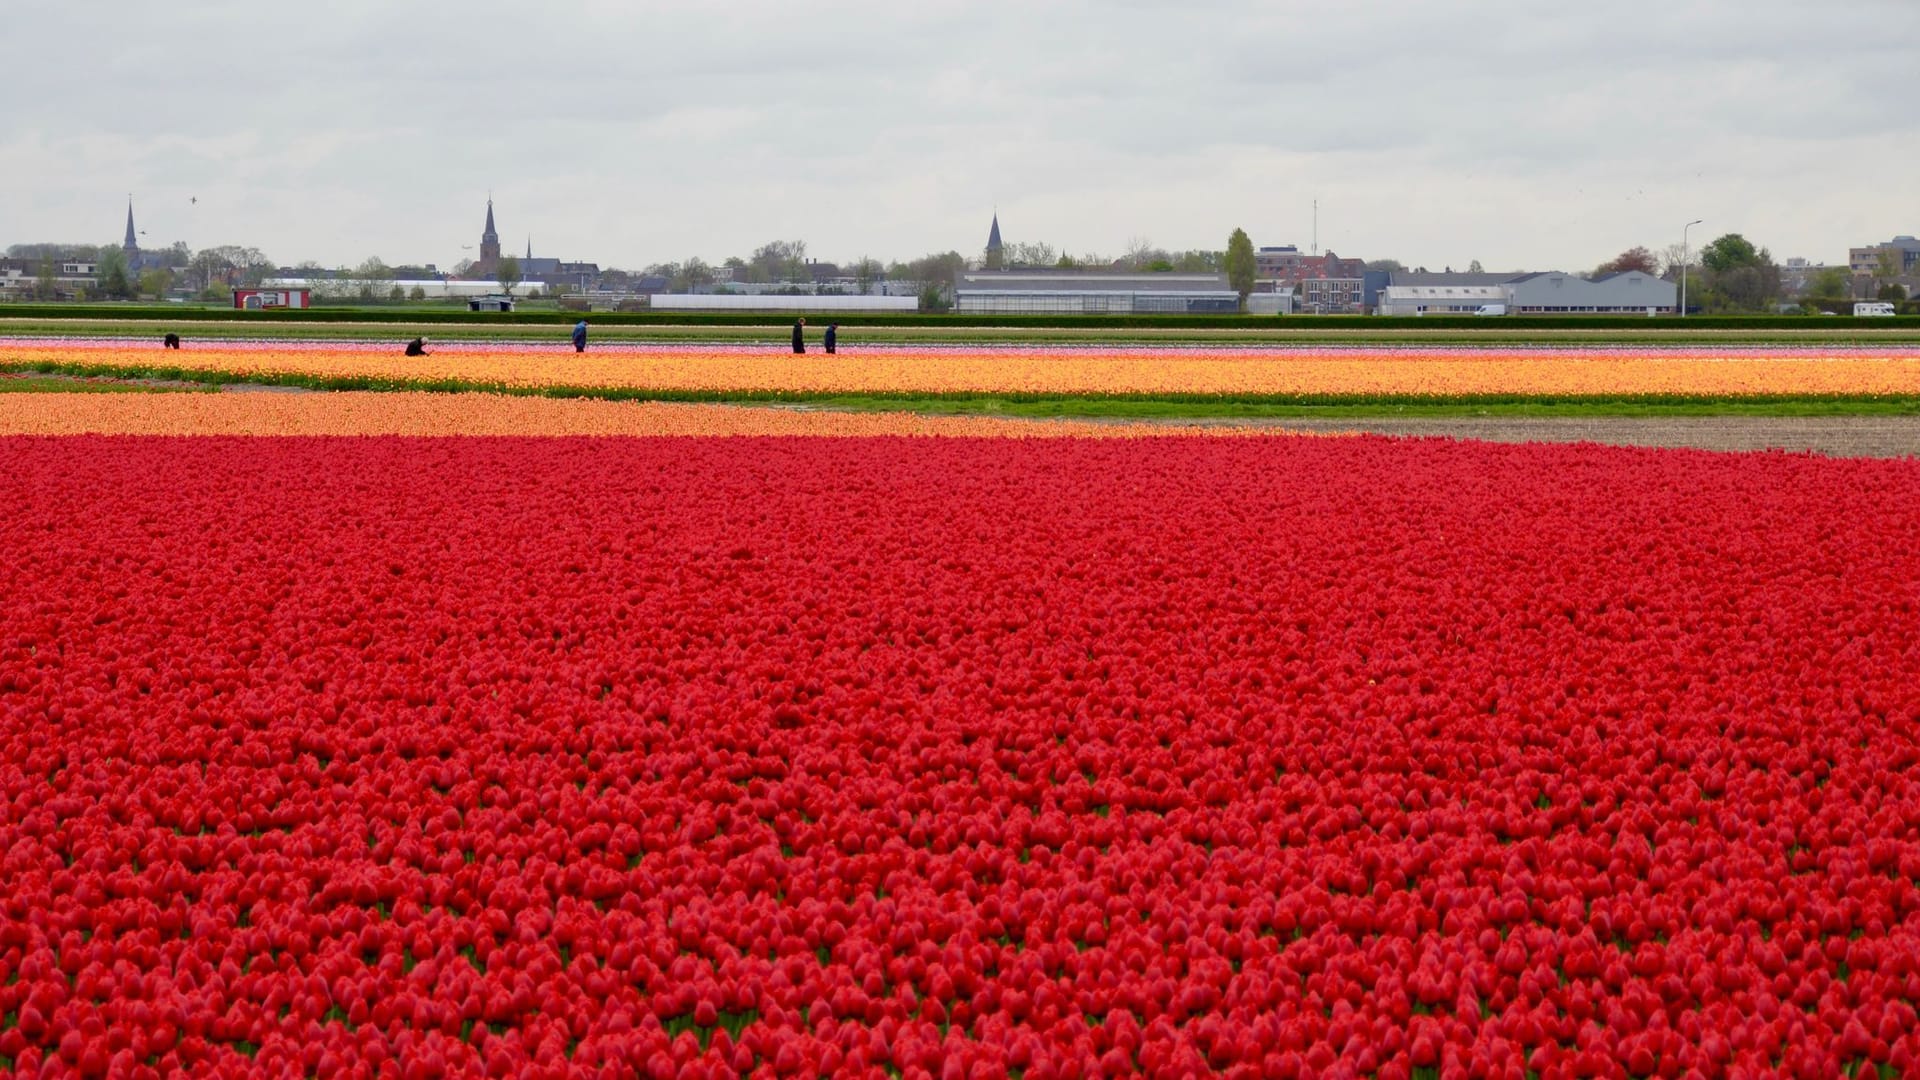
1836	436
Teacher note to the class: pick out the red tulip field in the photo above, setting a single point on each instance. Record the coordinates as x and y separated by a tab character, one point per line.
1264	756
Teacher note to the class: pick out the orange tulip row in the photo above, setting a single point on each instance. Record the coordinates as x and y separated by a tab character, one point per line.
1367	372
417	413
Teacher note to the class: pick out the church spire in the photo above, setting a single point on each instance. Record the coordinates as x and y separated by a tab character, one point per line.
131	243
490	241
529	245
993	234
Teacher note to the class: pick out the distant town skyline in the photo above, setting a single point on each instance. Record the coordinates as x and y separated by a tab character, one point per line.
1435	133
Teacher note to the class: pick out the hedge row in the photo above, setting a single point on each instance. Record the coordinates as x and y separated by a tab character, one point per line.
177	313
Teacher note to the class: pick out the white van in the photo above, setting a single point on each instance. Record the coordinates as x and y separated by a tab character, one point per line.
1877	308
1492	309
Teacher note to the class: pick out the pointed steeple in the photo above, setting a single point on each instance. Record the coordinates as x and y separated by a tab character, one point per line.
489	240
993	234
131	243
529	245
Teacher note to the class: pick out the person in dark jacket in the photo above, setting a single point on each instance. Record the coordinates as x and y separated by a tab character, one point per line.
580	336
833	334
171	341
799	337
418	347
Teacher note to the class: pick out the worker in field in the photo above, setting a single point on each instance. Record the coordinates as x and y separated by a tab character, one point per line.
418	347
833	335
799	334
171	341
580	336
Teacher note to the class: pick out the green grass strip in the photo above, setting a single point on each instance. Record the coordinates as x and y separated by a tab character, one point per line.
67	384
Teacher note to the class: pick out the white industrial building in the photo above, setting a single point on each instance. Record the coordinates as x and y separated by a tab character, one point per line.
1075	292
431	288
1415	293
1544	293
781	302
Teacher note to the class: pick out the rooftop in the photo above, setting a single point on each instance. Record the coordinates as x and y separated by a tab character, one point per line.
1449	277
1091	281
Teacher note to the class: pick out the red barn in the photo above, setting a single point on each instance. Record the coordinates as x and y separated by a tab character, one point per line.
256	299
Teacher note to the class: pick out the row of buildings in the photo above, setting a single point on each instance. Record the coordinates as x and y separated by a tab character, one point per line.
1416	293
1289	280
1897	258
1286	280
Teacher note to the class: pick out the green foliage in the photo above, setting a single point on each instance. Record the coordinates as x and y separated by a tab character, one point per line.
694	274
940	269
1239	263
55	252
67	384
113	274
417	294
507	273
1729	252
1831	282
229	265
778	260
1743	288
155	283
1025	256
1634	258
1740	277
1893	292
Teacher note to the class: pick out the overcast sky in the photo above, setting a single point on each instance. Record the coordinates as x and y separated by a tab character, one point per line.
1540	135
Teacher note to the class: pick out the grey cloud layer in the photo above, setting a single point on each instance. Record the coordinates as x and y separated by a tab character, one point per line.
1434	131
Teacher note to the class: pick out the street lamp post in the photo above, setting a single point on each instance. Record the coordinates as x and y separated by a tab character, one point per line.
1684	260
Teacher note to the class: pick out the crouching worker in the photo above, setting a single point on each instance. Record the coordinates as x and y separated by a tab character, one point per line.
171	341
580	336
418	347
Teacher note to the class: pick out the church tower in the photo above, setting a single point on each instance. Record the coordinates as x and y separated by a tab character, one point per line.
490	241
996	256
131	245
